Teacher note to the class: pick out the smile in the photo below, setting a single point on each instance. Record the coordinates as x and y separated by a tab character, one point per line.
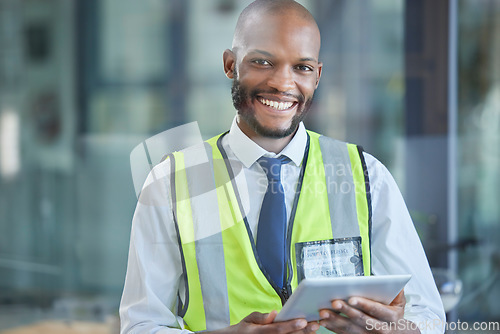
275	104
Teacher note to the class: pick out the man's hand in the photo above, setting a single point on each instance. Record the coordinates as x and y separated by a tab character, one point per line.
263	323
361	315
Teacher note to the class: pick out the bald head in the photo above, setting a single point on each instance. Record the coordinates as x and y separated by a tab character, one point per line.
260	10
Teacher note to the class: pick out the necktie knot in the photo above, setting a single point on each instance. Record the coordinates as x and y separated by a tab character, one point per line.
272	167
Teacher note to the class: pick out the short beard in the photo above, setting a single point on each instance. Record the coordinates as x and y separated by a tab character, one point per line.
242	99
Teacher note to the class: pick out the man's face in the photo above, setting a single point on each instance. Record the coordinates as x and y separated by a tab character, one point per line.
275	73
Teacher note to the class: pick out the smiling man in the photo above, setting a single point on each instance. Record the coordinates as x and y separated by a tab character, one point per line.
224	255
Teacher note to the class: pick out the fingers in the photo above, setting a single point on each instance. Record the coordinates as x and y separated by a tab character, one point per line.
311	327
261	318
338	323
374	309
263	323
400	299
292	326
359	314
271	316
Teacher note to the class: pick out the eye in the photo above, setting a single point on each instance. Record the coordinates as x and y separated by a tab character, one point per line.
262	62
304	68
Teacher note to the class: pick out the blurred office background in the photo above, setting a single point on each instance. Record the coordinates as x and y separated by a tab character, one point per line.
82	82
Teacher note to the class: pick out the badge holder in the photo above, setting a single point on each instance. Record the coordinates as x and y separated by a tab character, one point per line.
340	257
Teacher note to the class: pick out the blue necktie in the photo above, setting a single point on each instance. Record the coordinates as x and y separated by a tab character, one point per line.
271	232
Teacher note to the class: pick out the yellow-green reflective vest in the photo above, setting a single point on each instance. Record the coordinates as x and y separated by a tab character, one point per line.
224	280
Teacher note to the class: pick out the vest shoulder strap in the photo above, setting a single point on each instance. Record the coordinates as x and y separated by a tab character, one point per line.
349	193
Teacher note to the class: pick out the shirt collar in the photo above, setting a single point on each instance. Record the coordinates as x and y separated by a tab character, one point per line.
248	152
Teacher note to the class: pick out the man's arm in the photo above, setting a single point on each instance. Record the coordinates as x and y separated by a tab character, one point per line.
154	272
154	268
396	249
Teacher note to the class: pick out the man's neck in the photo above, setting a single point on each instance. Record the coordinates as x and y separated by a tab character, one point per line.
272	144
275	145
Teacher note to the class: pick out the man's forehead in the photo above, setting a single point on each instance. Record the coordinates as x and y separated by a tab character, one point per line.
269	32
272	27
269	21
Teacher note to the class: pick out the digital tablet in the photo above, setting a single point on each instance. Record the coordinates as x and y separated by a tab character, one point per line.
313	295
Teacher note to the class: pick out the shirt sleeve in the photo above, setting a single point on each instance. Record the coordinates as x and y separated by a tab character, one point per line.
150	294
396	249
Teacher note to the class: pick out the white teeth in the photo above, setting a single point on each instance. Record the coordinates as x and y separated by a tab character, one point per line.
276	104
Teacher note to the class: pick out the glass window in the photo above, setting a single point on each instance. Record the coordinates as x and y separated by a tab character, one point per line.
479	159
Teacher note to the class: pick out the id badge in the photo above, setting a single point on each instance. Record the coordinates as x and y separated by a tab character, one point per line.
329	258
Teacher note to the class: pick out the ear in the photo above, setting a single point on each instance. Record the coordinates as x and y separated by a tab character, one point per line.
319	69
229	60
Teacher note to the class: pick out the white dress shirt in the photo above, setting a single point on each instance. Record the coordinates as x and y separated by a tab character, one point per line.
149	301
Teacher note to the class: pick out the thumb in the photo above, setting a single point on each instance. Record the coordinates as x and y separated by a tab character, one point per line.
261	318
400	299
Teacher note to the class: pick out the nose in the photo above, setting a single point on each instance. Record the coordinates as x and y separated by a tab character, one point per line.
281	79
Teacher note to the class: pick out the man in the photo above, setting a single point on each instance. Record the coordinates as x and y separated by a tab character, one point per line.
200	258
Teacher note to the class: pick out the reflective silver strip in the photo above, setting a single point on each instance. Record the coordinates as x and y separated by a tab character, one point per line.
208	237
340	187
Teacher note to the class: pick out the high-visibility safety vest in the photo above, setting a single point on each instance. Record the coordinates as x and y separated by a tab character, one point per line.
221	269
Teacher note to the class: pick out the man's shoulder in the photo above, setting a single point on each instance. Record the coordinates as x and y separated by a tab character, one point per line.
318	136
372	163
